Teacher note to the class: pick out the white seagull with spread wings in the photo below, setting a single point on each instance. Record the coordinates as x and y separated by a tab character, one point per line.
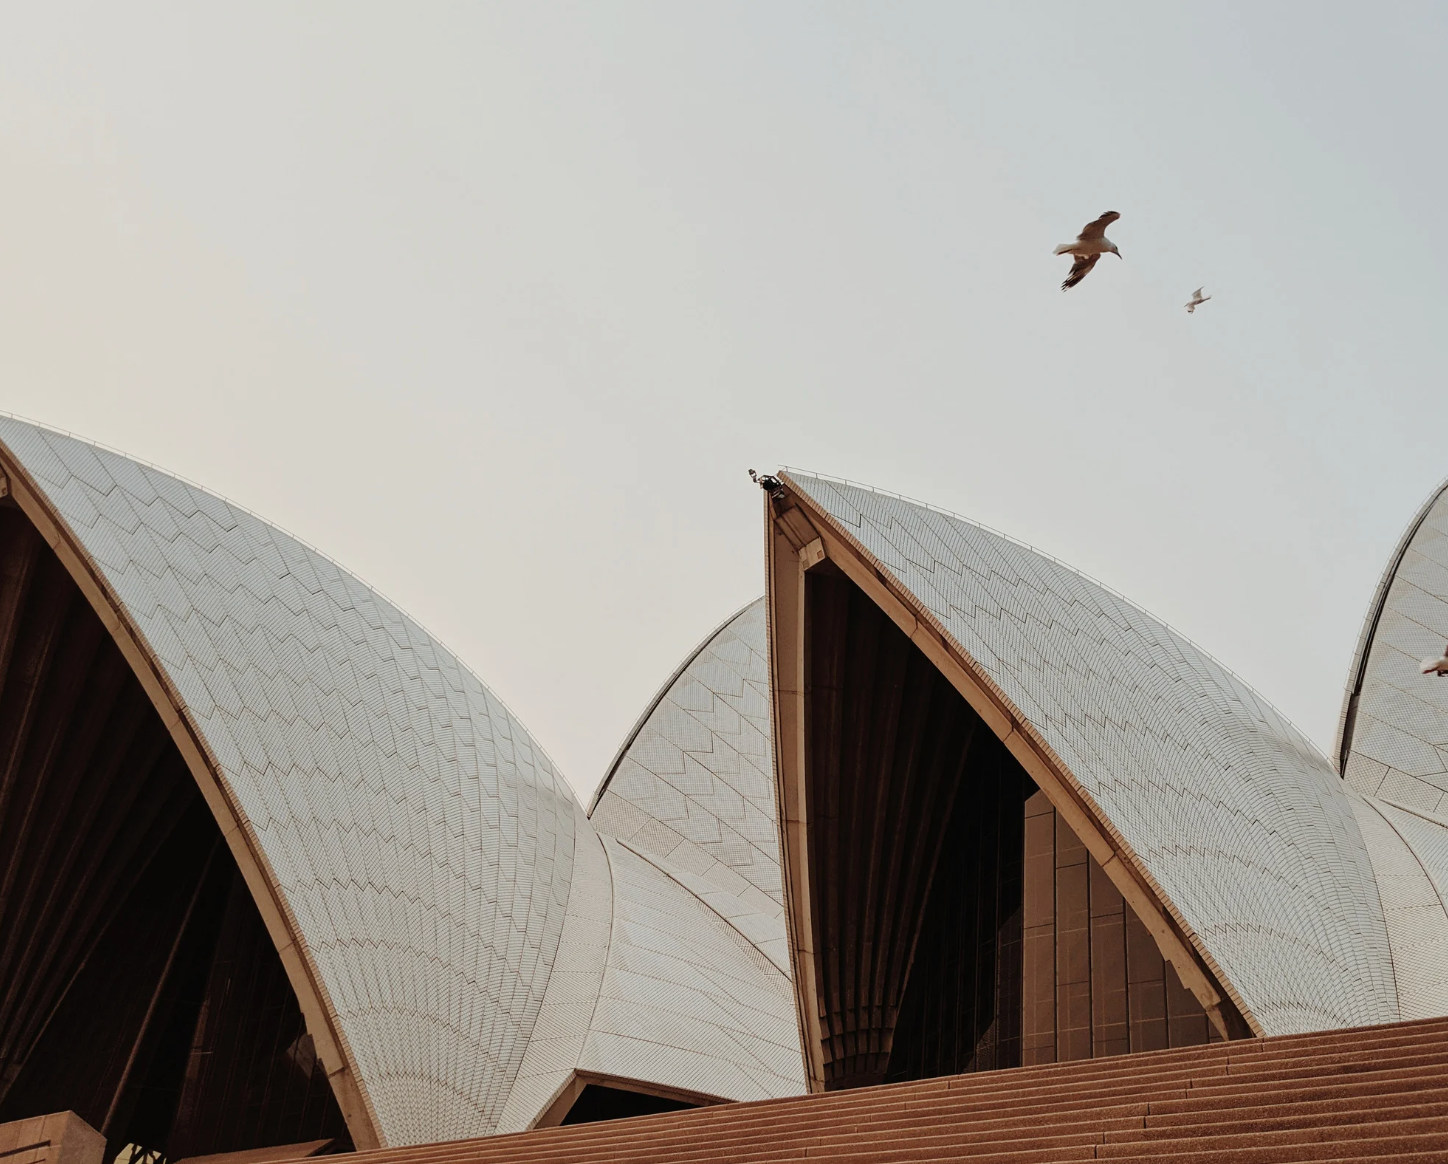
1437	666
1196	301
1089	246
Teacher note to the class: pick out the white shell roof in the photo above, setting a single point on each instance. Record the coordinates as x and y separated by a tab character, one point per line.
652	986
693	785
423	842
1243	824
477	940
687	1000
1393	741
1393	749
686	985
1410	858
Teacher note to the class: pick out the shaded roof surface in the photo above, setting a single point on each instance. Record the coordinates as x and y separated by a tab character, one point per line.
1241	822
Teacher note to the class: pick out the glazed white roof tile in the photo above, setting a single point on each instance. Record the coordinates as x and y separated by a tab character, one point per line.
1242	823
1393	738
687	1001
560	1034
422	841
693	785
1410	859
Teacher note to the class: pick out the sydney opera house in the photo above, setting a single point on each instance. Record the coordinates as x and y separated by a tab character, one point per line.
278	869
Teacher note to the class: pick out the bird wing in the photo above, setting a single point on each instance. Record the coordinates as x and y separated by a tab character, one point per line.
1097	229
1079	270
1197	295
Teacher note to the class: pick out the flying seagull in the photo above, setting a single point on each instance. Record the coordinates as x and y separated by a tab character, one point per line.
1436	666
1089	246
1197	300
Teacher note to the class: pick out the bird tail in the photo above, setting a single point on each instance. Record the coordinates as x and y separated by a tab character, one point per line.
1063	248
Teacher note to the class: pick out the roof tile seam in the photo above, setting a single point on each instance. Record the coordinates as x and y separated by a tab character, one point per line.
608	945
655	862
1420	813
1418	861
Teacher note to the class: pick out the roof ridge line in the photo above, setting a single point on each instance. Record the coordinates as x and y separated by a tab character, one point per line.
437	642
653	704
1136	606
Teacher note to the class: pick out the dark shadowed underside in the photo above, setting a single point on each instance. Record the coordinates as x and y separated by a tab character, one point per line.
959	925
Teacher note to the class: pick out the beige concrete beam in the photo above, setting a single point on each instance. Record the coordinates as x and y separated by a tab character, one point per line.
791	548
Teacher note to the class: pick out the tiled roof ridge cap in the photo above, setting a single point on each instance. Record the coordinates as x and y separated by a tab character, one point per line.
301	541
1136	606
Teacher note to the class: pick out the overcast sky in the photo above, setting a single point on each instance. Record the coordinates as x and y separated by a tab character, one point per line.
496	304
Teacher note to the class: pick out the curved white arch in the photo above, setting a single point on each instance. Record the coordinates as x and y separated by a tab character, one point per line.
1195	789
408	844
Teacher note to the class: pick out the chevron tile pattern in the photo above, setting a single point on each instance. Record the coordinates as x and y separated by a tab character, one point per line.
422	840
1244	825
694	784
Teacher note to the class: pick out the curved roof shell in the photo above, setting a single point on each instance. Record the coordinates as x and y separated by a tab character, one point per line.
688	1000
693	784
673	971
1393	735
1242	827
1410	860
410	846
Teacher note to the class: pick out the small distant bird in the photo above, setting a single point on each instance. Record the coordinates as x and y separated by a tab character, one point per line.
1436	666
766	481
1196	301
1089	246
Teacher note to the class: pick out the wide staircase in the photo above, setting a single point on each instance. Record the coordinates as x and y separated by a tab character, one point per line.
1376	1093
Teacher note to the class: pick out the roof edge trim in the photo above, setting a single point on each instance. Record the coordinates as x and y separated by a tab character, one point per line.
1357	672
1118	859
302	973
653	705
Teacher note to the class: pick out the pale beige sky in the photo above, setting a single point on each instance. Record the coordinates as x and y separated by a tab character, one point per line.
497	303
